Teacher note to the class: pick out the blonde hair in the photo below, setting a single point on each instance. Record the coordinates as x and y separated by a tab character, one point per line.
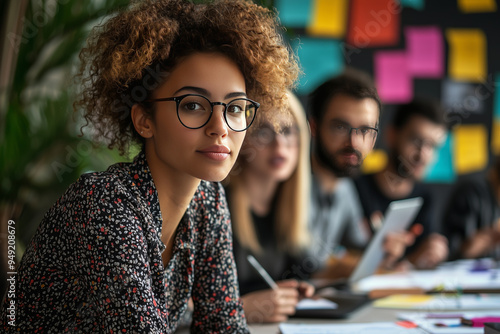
292	200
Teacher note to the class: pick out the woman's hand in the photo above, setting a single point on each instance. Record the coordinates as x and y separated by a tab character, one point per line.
275	305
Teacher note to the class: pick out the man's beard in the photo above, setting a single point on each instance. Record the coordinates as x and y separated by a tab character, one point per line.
328	160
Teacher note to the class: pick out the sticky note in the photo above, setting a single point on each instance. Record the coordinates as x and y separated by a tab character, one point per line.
467	55
415	4
463	98
470	148
402	301
374	23
495	136
374	162
294	13
320	59
477	6
392	77
425	49
442	169
496	103
329	18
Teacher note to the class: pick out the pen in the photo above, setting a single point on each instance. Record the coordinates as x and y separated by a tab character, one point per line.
262	272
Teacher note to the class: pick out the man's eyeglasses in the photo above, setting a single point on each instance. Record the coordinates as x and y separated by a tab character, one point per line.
194	111
344	130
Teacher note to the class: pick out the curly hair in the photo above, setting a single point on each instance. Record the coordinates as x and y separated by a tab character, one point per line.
131	54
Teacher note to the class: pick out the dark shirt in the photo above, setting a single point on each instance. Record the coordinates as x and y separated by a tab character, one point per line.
372	200
95	264
279	263
471	207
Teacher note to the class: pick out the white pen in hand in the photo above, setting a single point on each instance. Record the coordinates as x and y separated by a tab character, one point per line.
262	272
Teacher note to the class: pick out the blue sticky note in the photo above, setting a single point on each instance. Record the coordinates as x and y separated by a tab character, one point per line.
294	13
496	106
415	4
320	59
442	169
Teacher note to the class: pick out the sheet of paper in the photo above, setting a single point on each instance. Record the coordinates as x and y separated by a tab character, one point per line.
374	23
392	77
329	18
320	59
449	276
321	303
415	4
471	148
442	169
477	6
294	13
467	54
425	49
372	328
429	321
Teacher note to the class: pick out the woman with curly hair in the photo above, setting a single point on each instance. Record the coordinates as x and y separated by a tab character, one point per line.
123	251
266	193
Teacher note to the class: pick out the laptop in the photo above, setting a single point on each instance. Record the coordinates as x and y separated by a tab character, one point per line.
398	217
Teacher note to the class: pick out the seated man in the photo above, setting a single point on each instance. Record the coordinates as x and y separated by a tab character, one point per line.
344	117
412	137
472	217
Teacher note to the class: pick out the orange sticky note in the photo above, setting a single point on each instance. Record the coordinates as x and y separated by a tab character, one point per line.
477	6
329	18
467	56
374	23
495	137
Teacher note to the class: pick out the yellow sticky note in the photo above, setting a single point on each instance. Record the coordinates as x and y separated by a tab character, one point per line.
467	56
495	137
470	148
329	18
403	301
477	6
374	162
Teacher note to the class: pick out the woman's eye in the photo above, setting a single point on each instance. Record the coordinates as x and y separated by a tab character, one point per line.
193	106
234	109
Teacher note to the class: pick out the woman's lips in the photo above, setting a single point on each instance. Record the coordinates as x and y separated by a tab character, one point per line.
216	152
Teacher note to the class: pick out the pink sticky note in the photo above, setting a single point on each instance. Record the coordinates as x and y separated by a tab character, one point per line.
392	77
425	49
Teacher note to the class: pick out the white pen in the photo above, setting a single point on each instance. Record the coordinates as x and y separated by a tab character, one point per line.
262	272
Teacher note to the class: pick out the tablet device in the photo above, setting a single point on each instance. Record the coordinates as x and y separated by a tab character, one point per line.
397	218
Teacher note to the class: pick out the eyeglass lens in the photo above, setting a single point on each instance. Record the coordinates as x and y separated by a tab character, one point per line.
194	111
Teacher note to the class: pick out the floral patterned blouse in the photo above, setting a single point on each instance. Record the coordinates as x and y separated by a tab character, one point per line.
95	264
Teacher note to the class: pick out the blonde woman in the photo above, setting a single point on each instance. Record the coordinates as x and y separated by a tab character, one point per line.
268	195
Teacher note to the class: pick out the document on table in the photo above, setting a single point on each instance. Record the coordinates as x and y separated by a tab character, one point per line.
372	328
461	274
446	322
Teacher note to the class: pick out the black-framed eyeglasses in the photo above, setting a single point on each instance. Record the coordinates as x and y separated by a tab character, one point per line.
194	111
344	130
